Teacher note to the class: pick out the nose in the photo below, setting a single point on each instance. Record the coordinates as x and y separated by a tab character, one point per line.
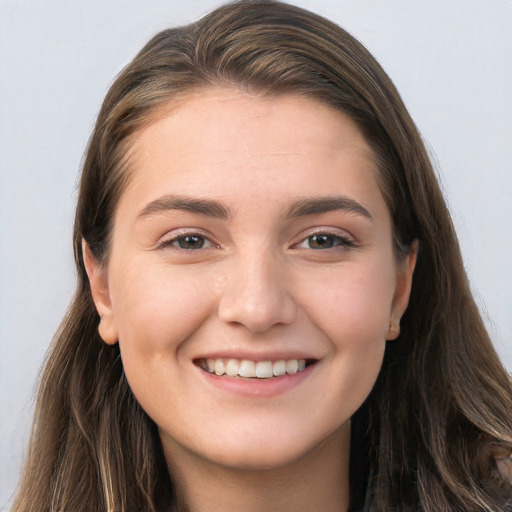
256	293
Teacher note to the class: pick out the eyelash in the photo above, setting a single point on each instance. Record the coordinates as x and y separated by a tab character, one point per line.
337	241
171	242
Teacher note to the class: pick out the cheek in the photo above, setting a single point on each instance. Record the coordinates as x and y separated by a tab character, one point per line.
156	308
355	318
351	306
354	304
156	311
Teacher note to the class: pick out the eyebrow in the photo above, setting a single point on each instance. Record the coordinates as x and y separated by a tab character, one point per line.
316	205
207	207
212	208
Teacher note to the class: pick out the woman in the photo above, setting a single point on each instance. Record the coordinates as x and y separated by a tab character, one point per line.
272	311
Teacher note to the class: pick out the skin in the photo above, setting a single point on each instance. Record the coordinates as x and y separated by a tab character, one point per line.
259	287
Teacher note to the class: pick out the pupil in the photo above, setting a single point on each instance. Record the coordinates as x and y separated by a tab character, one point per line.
321	241
191	242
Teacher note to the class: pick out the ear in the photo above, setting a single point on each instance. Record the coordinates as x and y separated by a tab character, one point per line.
98	282
404	273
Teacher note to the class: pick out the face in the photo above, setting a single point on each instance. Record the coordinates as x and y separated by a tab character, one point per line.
251	280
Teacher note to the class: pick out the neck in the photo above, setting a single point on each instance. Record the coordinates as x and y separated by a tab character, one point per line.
316	481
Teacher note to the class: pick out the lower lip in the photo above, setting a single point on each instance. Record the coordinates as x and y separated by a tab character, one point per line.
257	387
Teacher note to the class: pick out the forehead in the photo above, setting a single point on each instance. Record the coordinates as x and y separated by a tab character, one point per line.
257	118
222	140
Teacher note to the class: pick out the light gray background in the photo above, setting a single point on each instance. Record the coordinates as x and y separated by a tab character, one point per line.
451	60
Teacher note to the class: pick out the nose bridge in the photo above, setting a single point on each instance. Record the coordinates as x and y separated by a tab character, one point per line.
256	292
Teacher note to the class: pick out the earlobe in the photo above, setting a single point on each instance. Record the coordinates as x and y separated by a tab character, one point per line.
100	294
393	329
405	273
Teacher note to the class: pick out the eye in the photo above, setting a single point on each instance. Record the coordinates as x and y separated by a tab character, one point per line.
190	242
325	241
187	242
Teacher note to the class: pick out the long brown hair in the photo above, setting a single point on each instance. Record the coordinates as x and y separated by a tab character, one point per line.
427	436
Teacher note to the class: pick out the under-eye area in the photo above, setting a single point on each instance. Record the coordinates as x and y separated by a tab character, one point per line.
248	369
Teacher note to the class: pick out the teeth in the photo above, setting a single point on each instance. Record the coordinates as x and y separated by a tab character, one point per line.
253	369
264	370
279	368
292	366
220	368
232	368
247	369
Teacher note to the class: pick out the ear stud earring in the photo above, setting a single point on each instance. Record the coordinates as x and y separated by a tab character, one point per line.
393	329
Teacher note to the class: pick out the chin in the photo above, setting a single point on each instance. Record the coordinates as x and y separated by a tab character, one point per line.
266	459
272	450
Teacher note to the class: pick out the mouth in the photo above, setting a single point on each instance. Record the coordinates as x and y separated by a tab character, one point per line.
248	369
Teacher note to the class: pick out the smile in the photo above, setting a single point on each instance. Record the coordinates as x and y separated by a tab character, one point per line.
248	369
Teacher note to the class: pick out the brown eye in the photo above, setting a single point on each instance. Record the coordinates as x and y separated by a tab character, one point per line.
325	240
183	241
322	241
190	242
